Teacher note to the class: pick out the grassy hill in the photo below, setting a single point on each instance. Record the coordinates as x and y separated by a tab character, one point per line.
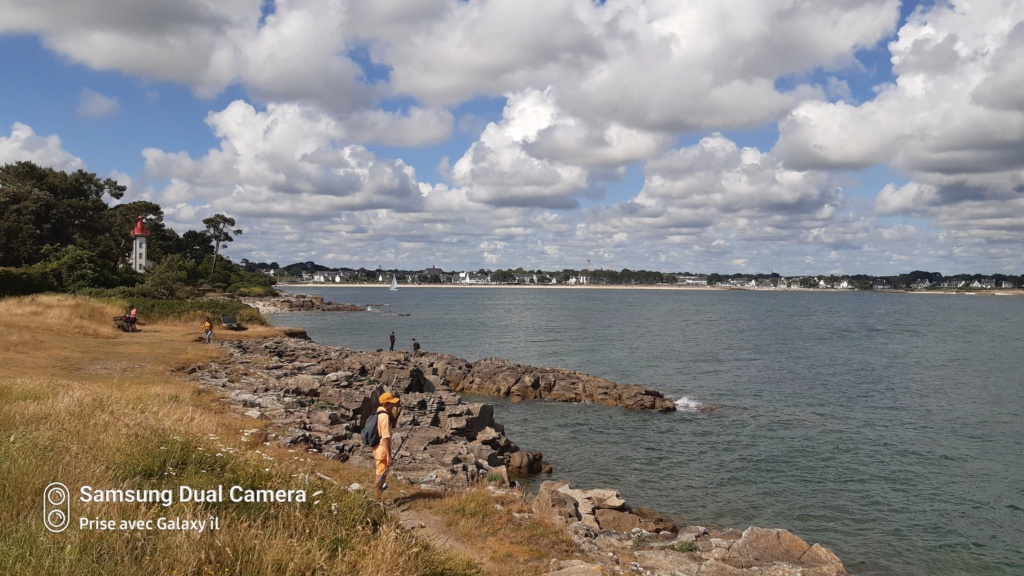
86	405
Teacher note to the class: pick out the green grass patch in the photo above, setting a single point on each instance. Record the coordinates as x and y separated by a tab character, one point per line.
685	546
192	310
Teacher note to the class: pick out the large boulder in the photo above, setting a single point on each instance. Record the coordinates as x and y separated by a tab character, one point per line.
654	521
605	498
525	462
616	520
760	546
303	385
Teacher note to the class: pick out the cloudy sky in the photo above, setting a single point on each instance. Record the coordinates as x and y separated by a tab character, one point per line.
795	136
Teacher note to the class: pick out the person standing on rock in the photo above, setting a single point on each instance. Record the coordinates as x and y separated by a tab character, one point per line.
208	329
415	347
392	337
389	407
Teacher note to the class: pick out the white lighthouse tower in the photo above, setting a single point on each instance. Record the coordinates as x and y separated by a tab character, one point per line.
140	235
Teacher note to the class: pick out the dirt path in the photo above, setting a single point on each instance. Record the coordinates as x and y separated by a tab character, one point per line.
431	528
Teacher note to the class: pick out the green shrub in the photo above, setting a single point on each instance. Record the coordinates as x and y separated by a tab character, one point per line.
153	310
685	546
252	291
119	293
189	310
26	280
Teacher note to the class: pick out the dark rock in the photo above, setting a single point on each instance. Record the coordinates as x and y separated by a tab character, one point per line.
524	462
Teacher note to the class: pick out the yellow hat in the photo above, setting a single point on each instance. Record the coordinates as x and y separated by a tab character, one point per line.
388	398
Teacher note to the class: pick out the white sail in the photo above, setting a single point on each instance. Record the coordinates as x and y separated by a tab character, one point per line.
394	283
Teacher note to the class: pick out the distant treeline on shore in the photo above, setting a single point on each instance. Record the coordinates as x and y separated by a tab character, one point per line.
915	280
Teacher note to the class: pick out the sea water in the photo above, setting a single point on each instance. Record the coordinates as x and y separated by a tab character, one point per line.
887	427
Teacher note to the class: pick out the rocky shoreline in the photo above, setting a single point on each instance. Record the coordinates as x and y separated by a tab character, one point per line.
490	376
298	303
321	395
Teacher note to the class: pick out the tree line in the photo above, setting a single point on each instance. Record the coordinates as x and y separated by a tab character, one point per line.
59	232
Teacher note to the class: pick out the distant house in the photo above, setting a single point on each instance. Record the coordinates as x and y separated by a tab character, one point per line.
921	284
336	276
473	278
326	276
845	285
881	284
1006	284
988	283
951	283
692	280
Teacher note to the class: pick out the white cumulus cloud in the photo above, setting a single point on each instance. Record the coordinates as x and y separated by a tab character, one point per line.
24	145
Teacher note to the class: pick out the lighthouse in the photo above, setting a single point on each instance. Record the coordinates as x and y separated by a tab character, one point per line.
139	236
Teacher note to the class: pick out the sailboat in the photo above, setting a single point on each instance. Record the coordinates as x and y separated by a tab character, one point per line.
394	283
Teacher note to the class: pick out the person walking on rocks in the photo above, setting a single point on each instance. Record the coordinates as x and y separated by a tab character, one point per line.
392	337
208	329
387	416
415	347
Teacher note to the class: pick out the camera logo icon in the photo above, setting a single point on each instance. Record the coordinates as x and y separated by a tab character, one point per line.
56	507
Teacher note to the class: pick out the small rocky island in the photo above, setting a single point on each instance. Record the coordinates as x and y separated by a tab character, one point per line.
321	396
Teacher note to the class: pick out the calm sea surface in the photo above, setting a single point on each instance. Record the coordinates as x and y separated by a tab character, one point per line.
887	427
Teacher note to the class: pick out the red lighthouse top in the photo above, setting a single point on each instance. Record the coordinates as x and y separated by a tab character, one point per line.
140	228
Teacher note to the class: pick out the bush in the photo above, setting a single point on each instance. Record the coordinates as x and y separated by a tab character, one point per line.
26	280
119	293
76	269
686	546
194	310
252	291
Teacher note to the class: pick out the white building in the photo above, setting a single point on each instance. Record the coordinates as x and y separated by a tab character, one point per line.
692	280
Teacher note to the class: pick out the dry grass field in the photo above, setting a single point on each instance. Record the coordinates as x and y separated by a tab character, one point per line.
86	405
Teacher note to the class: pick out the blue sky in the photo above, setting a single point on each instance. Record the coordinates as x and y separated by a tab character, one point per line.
851	137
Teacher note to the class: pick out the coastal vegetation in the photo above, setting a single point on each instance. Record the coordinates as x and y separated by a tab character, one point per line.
85	405
60	233
310	272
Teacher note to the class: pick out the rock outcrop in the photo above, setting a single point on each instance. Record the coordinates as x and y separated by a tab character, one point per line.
500	377
427	371
600	509
298	303
322	396
441	441
644	541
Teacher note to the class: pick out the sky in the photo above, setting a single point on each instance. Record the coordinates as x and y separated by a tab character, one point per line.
730	136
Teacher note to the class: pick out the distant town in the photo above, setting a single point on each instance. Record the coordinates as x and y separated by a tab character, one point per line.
310	272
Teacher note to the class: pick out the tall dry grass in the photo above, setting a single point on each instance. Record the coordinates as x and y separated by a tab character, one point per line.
514	540
85	405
